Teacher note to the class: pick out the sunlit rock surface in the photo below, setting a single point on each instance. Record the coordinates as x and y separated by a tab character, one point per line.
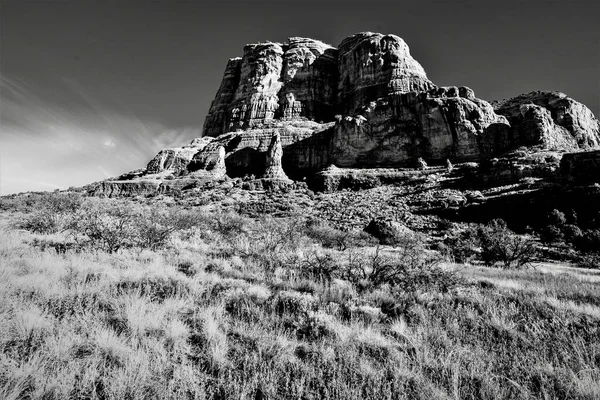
308	111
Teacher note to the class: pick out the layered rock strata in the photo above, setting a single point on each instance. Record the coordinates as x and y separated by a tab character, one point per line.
272	80
372	66
551	119
305	78
298	108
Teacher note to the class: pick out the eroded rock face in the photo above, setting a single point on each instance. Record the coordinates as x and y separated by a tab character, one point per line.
246	151
275	81
551	119
435	125
175	160
372	65
301	109
217	117
273	168
309	77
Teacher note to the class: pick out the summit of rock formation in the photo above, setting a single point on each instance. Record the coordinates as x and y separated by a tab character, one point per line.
372	66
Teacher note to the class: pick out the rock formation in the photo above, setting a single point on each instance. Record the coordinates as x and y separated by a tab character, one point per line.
271	80
175	160
273	168
372	66
551	119
304	109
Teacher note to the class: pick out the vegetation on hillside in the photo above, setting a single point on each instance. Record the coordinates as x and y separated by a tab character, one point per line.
110	299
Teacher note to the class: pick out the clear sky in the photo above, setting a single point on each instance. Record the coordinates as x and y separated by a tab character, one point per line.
91	89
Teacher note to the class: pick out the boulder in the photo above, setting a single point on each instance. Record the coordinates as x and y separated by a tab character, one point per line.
389	232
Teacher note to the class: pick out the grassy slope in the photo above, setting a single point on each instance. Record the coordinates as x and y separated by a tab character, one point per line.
198	321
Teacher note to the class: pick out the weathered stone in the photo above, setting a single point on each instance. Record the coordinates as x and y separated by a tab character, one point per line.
175	160
125	188
309	80
398	129
216	120
273	168
551	119
381	113
388	232
283	81
372	66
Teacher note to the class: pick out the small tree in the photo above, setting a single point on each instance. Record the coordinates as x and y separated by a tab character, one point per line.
104	225
155	226
500	245
50	212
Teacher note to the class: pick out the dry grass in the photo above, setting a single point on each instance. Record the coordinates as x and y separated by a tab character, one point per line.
206	319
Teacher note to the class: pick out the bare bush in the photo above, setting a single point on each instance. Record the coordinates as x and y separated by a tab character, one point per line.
49	212
330	237
500	245
155	225
107	226
410	267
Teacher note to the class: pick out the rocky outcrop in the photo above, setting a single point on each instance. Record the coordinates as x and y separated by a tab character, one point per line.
175	161
309	77
125	188
372	66
217	118
273	80
354	117
435	125
305	78
246	152
273	168
390	232
550	119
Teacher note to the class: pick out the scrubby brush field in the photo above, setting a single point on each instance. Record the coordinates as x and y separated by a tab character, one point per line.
191	304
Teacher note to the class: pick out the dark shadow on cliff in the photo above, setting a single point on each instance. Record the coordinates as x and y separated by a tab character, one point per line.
244	162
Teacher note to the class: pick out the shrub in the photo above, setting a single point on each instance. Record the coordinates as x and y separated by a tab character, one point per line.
492	243
107	226
272	242
155	226
557	218
330	237
319	267
588	241
50	213
551	234
500	245
464	246
408	268
589	261
571	233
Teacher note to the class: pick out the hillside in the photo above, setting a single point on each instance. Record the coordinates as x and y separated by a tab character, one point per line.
343	229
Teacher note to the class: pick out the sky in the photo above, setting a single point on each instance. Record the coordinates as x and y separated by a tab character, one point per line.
90	89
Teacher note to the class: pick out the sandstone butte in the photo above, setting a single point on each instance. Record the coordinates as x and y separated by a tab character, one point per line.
304	109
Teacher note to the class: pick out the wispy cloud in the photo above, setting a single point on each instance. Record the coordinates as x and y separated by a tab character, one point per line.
52	140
